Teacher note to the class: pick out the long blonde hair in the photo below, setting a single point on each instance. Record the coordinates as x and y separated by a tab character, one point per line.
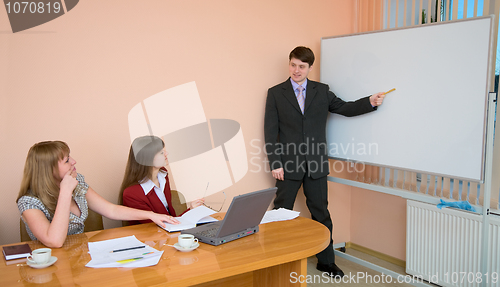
140	161
39	176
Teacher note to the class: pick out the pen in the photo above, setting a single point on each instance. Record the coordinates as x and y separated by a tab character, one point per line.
391	90
125	249
129	260
206	189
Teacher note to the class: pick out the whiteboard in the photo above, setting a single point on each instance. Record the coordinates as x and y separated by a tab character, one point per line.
435	120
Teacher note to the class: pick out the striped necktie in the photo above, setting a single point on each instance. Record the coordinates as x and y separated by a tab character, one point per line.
300	98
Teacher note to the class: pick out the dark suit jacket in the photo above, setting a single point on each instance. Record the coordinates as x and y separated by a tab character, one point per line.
297	142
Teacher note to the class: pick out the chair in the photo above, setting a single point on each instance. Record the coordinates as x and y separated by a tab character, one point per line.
93	222
178	202
24	233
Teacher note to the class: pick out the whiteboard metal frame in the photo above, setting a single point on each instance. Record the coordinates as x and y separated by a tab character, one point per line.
487	184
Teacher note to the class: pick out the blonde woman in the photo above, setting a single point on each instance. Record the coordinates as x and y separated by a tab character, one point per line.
54	198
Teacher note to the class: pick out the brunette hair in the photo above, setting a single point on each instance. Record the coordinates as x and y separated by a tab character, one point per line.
140	161
302	53
39	176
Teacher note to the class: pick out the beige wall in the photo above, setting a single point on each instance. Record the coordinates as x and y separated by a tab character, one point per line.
378	222
77	77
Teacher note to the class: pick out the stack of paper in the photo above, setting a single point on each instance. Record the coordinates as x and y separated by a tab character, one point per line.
188	220
122	252
279	215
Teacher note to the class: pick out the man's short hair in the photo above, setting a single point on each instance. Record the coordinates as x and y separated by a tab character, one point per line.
302	53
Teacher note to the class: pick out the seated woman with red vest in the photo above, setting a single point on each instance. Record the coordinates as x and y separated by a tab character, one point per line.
145	184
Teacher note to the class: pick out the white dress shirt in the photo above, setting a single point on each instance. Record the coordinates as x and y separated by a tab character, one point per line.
149	185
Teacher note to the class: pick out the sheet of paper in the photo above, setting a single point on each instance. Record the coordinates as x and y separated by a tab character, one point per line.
191	218
194	215
103	257
184	224
207	219
279	215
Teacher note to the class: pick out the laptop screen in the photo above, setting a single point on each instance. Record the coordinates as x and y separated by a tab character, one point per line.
246	211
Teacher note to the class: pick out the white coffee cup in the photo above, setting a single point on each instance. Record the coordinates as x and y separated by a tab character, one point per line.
40	256
186	240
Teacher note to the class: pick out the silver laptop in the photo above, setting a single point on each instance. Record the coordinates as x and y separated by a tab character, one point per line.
242	218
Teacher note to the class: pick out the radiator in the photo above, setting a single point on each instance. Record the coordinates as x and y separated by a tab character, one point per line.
444	246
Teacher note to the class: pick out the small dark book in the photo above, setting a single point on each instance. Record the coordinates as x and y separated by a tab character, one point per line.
16	251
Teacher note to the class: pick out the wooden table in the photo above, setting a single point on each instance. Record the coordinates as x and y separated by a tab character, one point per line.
266	258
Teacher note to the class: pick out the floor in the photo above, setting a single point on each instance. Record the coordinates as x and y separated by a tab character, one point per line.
355	274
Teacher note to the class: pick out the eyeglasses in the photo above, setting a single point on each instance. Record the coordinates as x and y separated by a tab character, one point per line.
220	206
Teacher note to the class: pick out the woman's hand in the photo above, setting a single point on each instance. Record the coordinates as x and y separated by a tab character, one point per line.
196	203
160	219
69	182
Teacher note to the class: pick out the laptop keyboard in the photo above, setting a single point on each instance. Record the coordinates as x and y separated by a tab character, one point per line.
210	232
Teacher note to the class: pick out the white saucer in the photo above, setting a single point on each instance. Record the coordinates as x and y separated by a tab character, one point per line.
52	260
183	249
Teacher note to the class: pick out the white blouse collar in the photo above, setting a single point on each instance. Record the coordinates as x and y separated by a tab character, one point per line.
149	185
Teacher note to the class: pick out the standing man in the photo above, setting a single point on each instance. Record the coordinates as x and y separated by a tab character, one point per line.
295	135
